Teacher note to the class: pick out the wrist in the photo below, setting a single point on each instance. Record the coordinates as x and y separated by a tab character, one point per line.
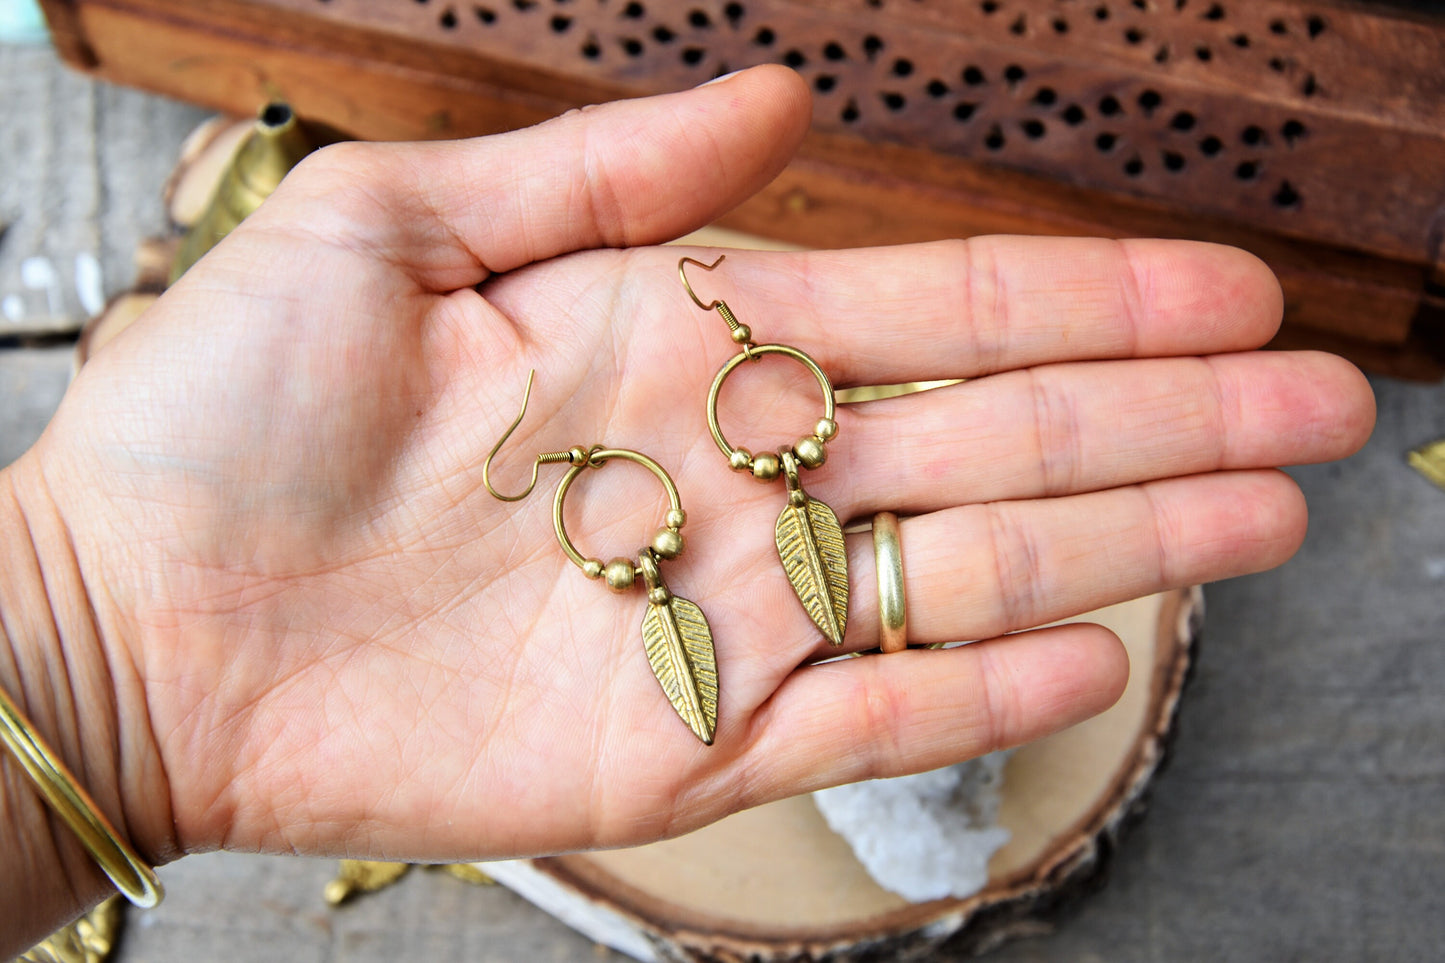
67	669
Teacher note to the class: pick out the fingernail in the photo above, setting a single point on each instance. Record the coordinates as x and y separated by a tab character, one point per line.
718	80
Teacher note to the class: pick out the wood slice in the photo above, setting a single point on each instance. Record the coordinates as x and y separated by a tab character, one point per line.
775	884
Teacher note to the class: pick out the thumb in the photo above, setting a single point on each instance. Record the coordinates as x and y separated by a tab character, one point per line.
622	174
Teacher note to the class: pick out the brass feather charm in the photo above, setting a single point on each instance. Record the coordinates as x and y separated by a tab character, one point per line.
810	544
1429	460
679	648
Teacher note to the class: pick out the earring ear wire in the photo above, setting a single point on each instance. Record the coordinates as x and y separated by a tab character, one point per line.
572	456
682	273
741	333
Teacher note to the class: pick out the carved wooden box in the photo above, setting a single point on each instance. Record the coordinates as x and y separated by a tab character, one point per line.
1311	132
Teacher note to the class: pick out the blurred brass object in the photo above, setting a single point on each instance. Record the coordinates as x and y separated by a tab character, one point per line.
852	396
1429	460
467	873
275	145
88	940
356	876
362	876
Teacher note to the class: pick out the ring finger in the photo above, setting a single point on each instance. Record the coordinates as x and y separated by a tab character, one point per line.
980	571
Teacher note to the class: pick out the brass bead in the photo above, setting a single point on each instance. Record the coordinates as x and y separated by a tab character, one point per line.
766	466
592	568
676	518
619	573
576	455
810	451
659	595
667	543
740	460
826	429
742	334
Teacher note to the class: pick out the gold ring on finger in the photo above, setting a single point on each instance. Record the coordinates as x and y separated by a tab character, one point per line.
892	605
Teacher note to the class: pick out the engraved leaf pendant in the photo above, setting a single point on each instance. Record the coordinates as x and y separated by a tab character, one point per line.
679	647
810	544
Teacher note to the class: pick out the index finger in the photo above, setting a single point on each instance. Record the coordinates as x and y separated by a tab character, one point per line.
960	309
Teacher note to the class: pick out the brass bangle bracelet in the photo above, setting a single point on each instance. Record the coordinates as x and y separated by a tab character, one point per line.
892	605
136	881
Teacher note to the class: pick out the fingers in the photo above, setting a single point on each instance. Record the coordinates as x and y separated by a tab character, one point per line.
917	710
960	309
622	174
1065	429
984	570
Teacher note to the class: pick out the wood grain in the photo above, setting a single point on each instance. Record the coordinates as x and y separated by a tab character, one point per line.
1308	132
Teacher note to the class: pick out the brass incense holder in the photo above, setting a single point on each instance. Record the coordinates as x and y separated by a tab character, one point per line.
275	145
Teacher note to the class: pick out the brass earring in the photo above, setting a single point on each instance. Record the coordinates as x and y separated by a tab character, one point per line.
675	633
809	538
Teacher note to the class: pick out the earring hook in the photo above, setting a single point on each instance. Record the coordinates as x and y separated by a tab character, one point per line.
682	273
573	456
487	465
741	333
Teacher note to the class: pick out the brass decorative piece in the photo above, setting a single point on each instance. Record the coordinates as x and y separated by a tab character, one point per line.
89	939
861	393
274	146
809	538
1429	460
674	630
355	876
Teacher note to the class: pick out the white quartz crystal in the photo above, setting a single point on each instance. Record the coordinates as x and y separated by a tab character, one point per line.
927	836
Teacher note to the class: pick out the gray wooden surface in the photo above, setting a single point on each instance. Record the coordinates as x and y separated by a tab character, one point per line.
1302	816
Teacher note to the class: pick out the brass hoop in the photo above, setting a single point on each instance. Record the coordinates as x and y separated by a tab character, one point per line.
597	458
752	353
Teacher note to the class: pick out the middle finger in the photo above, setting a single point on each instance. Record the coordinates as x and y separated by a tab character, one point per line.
1066	429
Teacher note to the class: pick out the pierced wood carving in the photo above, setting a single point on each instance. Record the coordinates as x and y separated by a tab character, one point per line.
1309	131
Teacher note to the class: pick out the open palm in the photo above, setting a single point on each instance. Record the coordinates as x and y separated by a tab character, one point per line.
341	643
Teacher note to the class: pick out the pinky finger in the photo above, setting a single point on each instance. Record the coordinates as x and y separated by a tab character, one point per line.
916	710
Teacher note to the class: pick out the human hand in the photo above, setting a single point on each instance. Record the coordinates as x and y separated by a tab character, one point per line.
325	636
